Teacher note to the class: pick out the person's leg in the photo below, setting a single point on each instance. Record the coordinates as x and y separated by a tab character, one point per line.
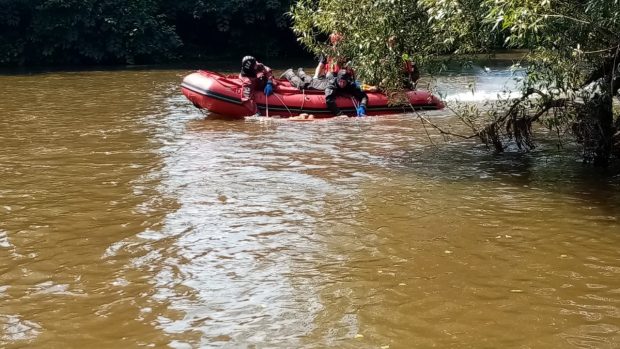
330	101
318	84
295	80
305	78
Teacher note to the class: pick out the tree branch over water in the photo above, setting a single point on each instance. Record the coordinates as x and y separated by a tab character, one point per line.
571	69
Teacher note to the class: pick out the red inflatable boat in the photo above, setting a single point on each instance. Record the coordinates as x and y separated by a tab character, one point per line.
221	94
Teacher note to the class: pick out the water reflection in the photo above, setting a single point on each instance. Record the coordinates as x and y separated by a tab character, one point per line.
70	159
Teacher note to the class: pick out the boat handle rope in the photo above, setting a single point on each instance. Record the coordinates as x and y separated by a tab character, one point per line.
303	100
281	101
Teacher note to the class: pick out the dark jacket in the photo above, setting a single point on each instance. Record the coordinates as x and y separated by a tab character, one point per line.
339	85
253	76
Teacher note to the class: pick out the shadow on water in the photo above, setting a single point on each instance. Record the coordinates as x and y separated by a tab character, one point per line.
559	172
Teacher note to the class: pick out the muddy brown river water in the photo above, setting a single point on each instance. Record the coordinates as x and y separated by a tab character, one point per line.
128	219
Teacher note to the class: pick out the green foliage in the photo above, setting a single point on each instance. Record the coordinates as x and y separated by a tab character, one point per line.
568	39
101	31
13	22
571	43
138	31
459	27
574	55
84	31
378	35
234	27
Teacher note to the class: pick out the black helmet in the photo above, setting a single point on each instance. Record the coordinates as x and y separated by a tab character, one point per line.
343	78
247	63
343	74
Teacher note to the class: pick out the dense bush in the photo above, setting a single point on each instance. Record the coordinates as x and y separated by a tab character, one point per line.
51	32
573	57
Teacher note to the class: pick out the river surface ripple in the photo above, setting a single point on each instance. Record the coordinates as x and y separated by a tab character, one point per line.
127	220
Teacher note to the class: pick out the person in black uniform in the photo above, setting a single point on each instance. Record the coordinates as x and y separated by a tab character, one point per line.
343	83
254	75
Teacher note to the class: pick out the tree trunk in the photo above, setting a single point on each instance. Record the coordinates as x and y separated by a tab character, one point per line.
605	121
594	127
600	122
615	148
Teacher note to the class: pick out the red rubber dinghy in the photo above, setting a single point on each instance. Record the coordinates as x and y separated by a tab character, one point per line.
221	94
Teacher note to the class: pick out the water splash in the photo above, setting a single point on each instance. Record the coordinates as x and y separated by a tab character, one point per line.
481	85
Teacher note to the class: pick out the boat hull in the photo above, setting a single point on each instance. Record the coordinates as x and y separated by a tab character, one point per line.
221	94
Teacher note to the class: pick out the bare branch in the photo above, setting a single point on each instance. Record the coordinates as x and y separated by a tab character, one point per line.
442	131
555	103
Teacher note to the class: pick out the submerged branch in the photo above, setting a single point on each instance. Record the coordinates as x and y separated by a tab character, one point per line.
436	127
515	123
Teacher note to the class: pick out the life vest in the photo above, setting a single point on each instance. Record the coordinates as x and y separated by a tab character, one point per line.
334	65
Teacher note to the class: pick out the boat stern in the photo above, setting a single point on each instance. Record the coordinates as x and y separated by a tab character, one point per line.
206	92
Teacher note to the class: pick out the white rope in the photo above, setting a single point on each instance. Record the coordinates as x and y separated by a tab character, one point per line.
355	105
354	102
303	100
289	111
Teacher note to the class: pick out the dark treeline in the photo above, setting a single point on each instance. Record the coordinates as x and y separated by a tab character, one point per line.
82	32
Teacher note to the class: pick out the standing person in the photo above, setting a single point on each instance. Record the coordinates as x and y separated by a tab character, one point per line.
343	83
254	75
409	77
332	64
411	74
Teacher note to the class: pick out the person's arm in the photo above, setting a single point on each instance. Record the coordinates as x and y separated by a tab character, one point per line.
330	101
319	67
412	74
360	96
265	78
263	70
318	70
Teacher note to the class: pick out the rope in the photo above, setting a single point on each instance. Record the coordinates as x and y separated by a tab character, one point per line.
281	101
355	105
423	120
354	102
303	100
